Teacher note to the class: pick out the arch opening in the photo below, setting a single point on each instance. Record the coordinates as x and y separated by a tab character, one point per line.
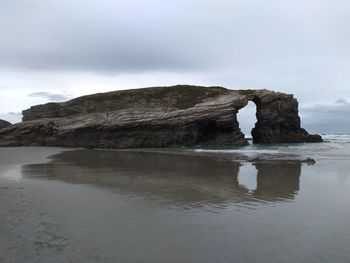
246	118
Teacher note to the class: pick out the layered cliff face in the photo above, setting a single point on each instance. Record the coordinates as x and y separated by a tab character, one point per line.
159	117
4	124
278	120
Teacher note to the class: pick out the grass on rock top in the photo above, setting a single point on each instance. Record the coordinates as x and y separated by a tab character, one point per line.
184	96
247	91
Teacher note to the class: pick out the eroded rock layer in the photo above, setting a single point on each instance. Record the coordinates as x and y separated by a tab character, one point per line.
4	124
159	117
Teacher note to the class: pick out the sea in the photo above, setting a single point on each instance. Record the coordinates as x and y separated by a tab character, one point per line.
335	146
256	203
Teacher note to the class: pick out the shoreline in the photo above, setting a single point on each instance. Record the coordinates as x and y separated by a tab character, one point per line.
226	153
74	204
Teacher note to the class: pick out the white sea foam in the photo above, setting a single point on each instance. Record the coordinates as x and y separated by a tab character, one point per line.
334	147
241	151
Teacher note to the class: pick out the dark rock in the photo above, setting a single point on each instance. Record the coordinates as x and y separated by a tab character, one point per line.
278	119
309	161
254	160
159	117
4	124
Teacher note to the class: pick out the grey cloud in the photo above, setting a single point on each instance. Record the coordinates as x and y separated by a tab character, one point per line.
341	101
49	96
334	118
14	113
102	35
186	35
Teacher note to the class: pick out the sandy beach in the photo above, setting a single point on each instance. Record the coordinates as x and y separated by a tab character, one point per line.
76	205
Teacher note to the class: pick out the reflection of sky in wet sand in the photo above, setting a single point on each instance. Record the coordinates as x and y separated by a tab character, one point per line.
112	206
177	178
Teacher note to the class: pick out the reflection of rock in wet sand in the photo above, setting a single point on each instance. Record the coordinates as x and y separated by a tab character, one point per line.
179	178
278	180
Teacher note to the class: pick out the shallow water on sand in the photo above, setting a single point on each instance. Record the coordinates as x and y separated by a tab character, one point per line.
129	206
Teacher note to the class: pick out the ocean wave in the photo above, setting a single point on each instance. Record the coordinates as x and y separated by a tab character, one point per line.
336	146
242	151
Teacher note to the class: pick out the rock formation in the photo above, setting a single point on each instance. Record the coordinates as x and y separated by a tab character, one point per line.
4	124
278	119
159	117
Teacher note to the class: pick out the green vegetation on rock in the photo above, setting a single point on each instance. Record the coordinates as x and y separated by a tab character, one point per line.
180	96
185	96
246	91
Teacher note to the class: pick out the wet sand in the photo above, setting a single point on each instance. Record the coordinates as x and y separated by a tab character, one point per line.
128	206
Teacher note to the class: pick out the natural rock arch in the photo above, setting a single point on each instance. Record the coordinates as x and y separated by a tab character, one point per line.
278	119
177	116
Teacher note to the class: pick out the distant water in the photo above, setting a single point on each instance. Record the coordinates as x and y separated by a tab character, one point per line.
198	205
336	146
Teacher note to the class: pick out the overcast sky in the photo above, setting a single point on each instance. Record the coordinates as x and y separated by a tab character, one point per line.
55	50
